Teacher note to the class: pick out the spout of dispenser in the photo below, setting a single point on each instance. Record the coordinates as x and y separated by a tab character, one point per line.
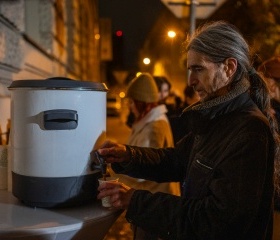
100	163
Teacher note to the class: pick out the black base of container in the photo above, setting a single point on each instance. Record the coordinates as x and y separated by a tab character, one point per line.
49	192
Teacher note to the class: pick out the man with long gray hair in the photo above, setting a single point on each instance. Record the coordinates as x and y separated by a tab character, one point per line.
226	160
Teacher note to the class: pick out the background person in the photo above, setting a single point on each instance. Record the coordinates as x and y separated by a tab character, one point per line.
227	160
271	70
164	87
190	97
150	129
180	127
171	100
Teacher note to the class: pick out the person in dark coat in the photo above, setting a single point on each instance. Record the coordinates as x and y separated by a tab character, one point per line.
271	70
226	160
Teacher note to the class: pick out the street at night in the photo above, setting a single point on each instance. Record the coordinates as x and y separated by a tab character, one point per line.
191	88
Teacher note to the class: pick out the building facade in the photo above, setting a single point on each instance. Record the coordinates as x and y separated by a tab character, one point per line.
40	39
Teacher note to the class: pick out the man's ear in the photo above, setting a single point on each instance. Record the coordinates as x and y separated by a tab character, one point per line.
230	66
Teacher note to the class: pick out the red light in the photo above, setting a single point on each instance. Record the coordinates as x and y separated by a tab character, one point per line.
119	33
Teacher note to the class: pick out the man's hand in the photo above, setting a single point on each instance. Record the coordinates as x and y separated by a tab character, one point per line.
120	194
114	152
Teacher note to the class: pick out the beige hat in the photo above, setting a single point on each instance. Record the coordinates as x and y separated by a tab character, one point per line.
271	67
143	88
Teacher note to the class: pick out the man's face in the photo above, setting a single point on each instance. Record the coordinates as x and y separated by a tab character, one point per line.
208	79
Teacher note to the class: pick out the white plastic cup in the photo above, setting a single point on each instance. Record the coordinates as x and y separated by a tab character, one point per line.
106	202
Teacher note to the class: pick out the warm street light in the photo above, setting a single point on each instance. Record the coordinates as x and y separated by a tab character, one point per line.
171	34
146	61
122	94
204	9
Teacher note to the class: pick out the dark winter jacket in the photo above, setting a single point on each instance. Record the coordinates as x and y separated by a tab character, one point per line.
276	106
227	163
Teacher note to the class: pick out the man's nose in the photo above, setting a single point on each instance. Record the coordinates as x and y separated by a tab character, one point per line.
192	81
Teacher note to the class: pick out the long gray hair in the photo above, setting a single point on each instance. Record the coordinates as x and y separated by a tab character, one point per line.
220	40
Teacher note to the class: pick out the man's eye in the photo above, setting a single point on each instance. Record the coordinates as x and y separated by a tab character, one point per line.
196	69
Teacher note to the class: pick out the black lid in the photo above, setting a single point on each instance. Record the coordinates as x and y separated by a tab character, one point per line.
58	83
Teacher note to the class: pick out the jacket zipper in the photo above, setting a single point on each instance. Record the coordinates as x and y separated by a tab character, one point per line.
200	163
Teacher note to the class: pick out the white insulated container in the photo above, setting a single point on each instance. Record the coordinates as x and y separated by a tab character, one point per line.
55	124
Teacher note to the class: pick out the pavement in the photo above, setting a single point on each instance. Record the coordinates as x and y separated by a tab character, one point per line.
120	230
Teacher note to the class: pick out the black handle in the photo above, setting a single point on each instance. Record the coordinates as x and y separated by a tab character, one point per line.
60	119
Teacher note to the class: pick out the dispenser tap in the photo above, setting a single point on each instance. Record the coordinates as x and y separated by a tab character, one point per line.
102	165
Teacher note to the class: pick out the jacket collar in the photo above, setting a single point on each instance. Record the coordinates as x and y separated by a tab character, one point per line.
199	115
157	113
219	102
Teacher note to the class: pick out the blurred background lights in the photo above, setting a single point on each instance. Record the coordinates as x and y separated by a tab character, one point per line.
146	61
119	33
171	34
121	94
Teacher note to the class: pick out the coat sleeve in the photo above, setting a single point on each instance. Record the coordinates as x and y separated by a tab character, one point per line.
157	164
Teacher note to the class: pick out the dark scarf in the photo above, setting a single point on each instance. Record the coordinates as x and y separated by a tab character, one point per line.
197	117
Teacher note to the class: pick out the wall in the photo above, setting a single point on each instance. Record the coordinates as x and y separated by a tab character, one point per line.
47	38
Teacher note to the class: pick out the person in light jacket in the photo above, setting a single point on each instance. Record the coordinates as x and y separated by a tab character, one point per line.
226	160
150	129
